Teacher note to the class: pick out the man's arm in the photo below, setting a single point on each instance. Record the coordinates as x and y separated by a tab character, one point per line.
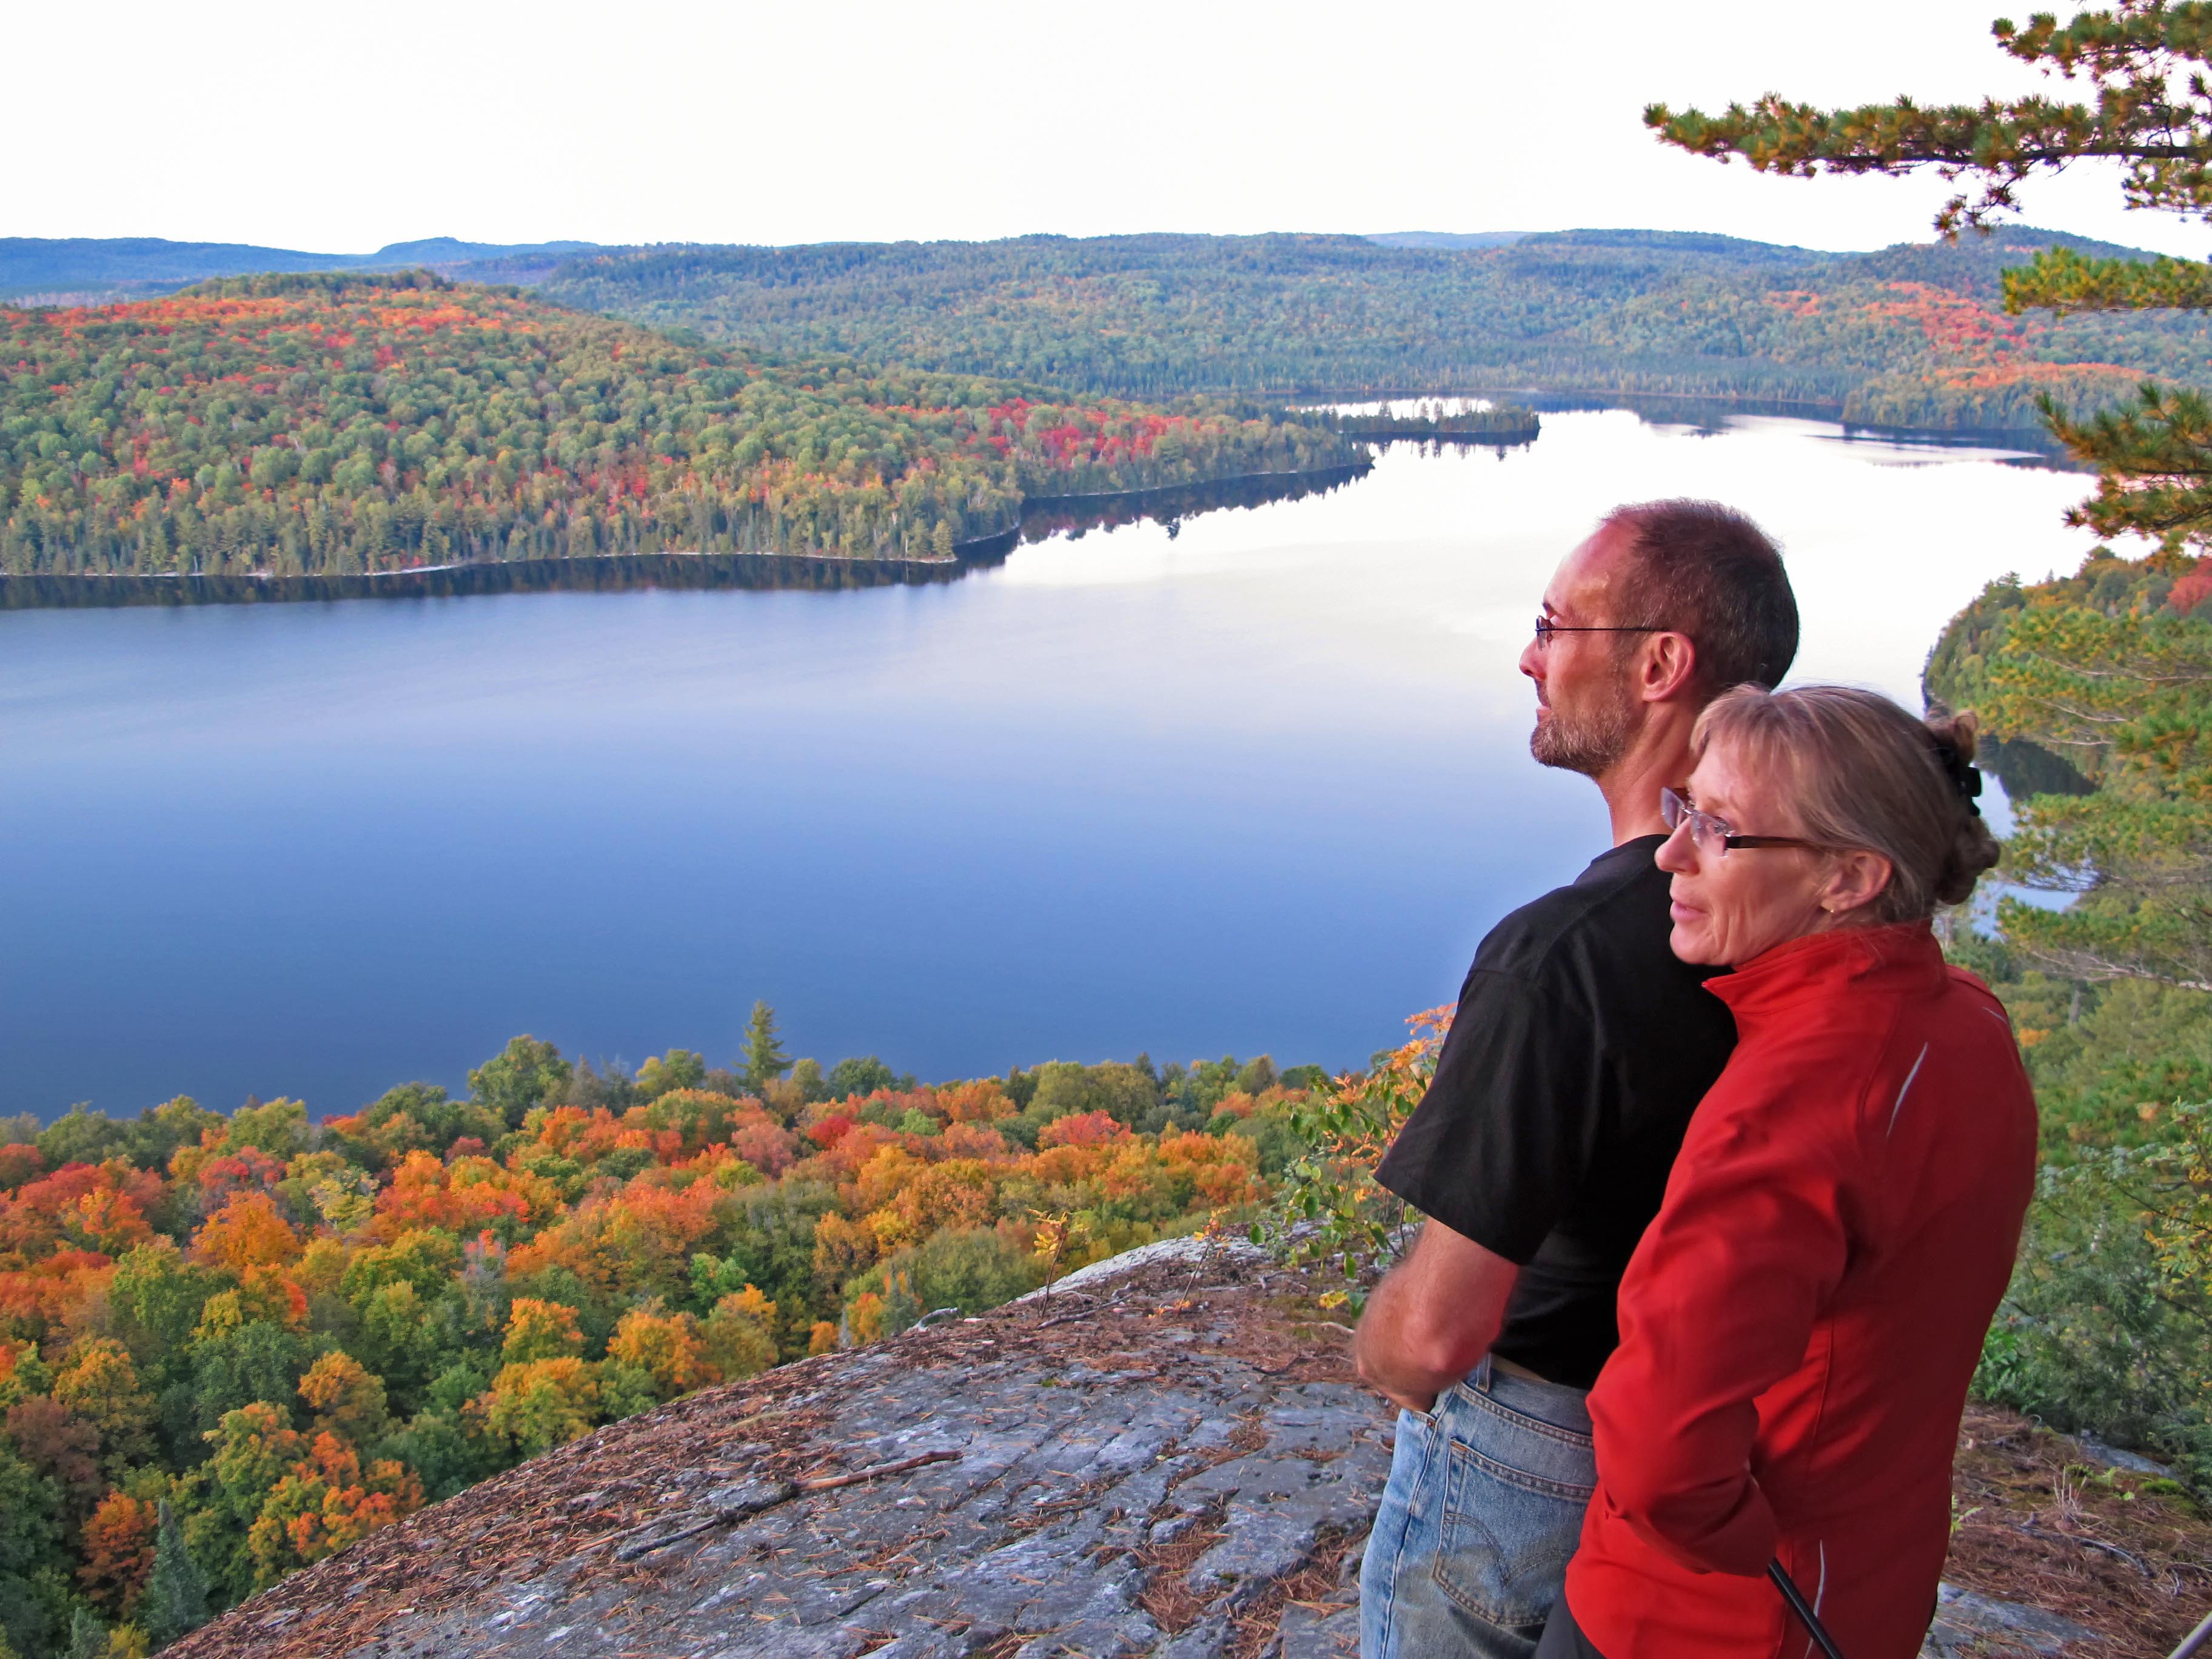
1432	1317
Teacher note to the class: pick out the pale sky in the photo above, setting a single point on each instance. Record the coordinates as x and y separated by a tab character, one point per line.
339	128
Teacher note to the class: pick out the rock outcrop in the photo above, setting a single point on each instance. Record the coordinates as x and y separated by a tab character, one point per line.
1168	1457
1156	1463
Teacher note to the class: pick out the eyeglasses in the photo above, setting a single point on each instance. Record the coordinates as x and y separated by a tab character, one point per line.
1546	628
1713	834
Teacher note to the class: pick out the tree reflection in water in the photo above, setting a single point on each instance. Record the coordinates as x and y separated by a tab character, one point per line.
1040	519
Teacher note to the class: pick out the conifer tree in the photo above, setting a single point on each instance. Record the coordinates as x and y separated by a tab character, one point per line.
901	1308
765	1060
2113	669
2147	62
176	1602
87	1635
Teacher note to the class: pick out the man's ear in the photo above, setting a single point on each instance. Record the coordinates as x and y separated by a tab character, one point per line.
1668	666
1856	878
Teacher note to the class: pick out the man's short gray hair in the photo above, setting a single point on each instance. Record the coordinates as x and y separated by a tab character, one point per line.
1707	570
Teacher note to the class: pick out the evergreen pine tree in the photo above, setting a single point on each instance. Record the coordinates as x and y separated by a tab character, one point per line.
2154	452
177	1594
901	1308
765	1060
87	1635
2112	681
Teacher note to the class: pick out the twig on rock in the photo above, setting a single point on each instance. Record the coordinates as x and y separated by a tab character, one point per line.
2087	1542
750	1497
826	1482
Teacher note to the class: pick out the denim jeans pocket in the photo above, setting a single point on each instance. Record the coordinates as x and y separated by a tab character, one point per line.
1515	1491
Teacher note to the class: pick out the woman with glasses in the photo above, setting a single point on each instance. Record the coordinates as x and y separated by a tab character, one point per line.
1799	1325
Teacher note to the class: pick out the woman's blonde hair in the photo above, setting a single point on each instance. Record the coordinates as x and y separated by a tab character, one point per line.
1858	771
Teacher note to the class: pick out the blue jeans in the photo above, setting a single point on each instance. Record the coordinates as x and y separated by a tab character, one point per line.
1484	1506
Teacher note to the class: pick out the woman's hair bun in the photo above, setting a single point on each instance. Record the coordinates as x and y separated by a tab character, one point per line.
1953	737
1960	733
1973	848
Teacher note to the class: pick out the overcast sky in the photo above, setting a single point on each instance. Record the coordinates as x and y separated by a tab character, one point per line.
340	129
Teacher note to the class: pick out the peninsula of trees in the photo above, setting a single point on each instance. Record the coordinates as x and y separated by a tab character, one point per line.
341	423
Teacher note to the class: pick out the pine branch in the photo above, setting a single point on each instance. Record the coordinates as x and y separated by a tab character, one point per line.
2133	55
2062	280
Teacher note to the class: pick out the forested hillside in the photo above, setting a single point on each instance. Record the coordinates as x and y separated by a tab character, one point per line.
229	1345
2095	686
1912	335
332	425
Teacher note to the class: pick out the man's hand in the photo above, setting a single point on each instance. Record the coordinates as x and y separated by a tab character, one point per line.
1432	1317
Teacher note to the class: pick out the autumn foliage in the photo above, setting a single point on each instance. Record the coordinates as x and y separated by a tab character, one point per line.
336	425
293	1332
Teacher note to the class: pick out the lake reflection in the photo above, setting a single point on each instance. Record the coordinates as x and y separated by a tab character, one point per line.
1256	780
629	573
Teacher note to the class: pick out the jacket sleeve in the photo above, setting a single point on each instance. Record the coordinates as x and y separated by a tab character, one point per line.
1718	1304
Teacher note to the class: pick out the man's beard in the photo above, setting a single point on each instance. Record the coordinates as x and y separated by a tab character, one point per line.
1589	740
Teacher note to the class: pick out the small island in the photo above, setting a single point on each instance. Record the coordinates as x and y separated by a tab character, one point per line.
1503	424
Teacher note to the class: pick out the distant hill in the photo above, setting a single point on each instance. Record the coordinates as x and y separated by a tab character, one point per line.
84	270
1908	336
1912	335
1447	239
336	423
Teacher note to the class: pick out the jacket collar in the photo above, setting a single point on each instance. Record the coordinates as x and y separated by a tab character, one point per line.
1903	957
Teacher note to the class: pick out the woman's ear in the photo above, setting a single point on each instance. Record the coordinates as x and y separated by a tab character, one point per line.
1856	878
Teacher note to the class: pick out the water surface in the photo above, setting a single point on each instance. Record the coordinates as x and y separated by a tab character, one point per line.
1257	784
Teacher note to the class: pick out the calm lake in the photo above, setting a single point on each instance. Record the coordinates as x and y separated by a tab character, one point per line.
1261	784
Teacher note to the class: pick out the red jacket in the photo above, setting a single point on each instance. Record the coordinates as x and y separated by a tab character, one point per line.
1799	1325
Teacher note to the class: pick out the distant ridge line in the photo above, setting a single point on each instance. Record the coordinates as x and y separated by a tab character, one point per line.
1449	238
42	269
81	270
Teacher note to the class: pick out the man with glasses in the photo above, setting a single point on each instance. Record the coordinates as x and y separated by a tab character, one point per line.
1541	1151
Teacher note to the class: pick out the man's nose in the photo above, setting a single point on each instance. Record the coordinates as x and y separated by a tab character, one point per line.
1532	661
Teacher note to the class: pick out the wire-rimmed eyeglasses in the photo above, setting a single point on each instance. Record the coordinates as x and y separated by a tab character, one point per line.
1546	628
1715	836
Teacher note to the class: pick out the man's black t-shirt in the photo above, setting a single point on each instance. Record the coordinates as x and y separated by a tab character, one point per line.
1580	1049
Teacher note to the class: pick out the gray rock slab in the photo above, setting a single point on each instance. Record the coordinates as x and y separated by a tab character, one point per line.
1310	1632
1197	1254
1069	1474
1132	1483
1970	1625
2119	1457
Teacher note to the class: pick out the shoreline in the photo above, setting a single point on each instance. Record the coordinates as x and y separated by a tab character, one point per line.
965	553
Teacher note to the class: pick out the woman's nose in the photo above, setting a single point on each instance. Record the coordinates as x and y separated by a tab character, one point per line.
1678	853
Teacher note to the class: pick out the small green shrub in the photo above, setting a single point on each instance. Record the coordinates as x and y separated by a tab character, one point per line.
2107	1325
971	1268
1329	1210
